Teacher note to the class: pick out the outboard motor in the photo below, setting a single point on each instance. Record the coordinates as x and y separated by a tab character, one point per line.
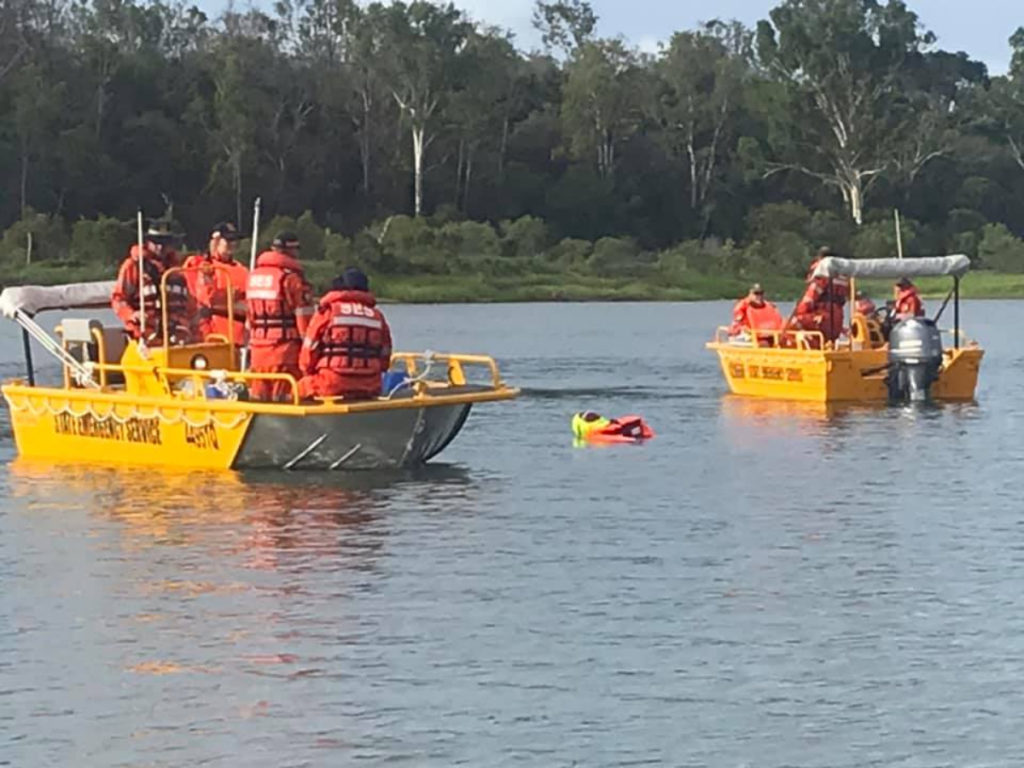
915	357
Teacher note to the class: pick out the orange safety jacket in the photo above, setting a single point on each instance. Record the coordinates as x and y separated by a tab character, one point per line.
279	301
908	303
125	299
348	340
208	279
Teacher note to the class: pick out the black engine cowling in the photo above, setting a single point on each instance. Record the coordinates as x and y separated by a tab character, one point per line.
915	358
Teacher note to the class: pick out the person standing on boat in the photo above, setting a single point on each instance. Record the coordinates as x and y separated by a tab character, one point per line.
157	258
821	308
908	300
209	283
280	305
752	312
348	343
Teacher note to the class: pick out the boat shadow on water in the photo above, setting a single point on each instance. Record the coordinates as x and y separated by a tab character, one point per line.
265	519
765	411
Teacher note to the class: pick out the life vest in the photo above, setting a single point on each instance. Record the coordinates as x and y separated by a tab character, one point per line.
271	316
593	428
866	307
908	303
177	296
764	318
354	342
834	290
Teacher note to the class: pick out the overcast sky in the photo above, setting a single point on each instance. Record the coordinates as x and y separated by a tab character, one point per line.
980	27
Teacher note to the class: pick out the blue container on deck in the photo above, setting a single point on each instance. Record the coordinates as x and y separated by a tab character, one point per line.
392	381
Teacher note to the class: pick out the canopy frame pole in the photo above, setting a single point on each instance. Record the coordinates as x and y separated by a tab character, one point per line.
956	312
83	375
26	343
142	278
852	301
830	304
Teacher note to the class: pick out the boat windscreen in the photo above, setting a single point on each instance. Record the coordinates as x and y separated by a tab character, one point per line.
32	299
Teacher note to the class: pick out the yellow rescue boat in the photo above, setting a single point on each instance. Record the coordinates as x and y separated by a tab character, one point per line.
184	406
871	362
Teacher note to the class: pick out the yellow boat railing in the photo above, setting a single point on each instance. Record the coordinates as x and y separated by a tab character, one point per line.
417	366
810	340
455	362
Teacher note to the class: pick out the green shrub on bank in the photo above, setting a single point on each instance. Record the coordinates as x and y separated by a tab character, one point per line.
1000	249
102	241
36	237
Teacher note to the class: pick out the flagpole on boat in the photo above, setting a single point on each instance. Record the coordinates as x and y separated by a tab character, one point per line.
252	266
142	284
899	235
255	234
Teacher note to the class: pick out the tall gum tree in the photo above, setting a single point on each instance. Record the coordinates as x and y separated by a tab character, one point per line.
701	78
843	64
604	91
424	45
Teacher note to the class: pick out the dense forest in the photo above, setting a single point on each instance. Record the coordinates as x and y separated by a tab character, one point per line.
415	140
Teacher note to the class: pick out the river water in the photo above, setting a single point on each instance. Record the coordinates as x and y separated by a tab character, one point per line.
762	585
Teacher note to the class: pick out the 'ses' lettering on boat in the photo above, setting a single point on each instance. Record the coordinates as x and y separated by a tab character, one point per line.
144	431
203	437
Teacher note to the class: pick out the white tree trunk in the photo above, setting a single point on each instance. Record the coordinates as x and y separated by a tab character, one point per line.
469	180
417	161
857	202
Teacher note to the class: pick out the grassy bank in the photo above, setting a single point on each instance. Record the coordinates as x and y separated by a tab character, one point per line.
561	287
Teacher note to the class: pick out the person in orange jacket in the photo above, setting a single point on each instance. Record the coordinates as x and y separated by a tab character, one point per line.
209	274
821	307
908	300
753	311
280	305
348	343
865	306
125	299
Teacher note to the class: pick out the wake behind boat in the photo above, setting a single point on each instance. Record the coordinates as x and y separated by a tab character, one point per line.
185	406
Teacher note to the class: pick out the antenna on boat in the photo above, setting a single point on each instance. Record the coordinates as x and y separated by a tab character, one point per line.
252	266
142	284
255	234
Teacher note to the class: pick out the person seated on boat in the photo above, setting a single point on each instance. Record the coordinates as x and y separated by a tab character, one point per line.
754	312
125	299
908	300
209	283
865	306
348	343
280	306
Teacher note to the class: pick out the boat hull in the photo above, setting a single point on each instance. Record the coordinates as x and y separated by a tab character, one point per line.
101	427
832	376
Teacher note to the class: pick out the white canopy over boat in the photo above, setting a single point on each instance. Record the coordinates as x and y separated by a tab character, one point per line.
32	299
927	266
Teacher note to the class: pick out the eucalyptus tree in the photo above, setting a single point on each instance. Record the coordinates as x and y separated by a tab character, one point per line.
843	64
604	92
701	80
423	47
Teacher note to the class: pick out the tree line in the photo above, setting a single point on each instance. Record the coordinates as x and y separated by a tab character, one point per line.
413	138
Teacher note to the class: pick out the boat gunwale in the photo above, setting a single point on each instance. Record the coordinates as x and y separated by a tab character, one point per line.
18	388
